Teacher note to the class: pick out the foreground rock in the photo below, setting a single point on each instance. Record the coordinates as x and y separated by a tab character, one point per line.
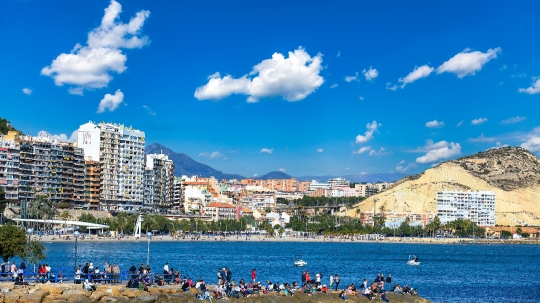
72	293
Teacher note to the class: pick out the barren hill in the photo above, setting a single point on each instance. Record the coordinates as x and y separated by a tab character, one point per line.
512	173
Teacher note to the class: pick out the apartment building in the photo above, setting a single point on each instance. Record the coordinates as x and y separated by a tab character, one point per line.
159	182
477	206
257	197
220	211
51	168
339	182
119	149
365	189
178	197
9	168
91	183
282	185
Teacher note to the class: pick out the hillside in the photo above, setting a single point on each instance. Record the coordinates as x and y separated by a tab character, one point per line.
274	175
184	165
5	126
512	173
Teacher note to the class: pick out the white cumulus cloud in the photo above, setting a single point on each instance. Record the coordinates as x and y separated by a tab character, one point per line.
459	123
370	73
402	167
319	150
282	170
381	152
419	72
362	150
351	78
533	89
532	145
292	78
513	120
434	124
110	102
368	134
90	66
27	91
468	62
267	150
334	85
60	137
438	151
479	121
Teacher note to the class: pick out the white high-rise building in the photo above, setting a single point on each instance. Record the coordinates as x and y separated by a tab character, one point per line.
477	206
120	152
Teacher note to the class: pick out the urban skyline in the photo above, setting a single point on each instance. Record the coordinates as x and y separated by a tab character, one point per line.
349	94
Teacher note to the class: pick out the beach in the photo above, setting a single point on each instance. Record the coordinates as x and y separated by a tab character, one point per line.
169	238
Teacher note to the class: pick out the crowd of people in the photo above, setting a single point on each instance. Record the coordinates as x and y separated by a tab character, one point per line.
226	287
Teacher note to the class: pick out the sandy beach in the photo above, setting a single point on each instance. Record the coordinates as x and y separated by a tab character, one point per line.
168	238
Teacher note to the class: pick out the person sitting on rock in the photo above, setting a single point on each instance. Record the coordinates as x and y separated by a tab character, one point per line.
89	286
368	294
383	297
342	296
398	289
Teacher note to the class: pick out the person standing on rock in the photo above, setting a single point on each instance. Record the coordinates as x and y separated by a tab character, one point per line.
254	275
166	268
304	278
308	278
22	267
331	280
337	279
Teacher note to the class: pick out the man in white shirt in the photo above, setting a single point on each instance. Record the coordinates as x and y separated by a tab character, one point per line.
166	268
331	280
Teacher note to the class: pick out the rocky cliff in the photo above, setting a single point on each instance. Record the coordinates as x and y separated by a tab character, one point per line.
512	173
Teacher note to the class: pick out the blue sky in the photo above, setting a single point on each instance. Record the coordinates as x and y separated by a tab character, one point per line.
304	87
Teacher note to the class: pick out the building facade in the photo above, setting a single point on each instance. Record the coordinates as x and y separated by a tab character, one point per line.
120	152
91	183
220	211
9	169
159	182
477	206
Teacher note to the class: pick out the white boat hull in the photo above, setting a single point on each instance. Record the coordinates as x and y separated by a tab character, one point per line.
300	263
413	263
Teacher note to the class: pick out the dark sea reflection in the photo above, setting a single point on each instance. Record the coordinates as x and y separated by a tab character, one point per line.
449	273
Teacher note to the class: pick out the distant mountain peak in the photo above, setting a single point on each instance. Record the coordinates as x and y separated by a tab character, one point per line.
274	175
185	165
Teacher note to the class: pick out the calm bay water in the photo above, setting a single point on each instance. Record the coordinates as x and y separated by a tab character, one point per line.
449	273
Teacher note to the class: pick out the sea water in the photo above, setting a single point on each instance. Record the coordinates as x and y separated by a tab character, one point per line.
448	272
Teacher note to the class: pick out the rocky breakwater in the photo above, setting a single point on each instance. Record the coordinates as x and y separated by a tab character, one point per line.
71	293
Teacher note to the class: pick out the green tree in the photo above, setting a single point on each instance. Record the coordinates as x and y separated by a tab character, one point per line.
506	234
281	231
3	200
13	243
519	231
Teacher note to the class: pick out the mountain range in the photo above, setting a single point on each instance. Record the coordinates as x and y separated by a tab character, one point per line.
185	165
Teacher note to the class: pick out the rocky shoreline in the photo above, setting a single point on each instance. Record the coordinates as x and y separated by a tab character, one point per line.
73	293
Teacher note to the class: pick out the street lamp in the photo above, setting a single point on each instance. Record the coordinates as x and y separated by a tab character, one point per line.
149	236
29	232
76	235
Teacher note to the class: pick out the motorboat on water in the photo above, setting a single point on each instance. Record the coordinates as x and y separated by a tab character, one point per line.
413	260
298	261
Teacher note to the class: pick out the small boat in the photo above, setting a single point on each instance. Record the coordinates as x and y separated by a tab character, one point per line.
413	260
298	261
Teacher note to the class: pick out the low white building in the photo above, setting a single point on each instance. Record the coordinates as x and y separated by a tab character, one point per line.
277	218
477	206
